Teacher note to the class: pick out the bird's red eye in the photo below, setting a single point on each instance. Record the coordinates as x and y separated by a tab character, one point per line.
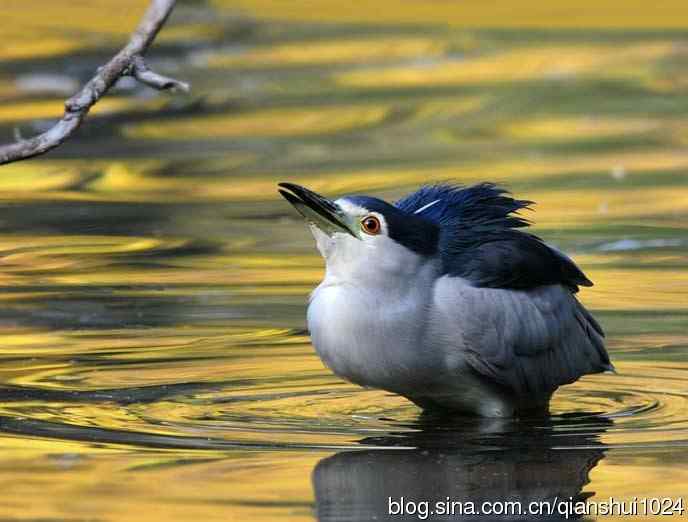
371	225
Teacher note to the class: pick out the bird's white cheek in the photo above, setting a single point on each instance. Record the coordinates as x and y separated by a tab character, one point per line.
323	242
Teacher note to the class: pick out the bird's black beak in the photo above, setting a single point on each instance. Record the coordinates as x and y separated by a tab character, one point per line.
318	210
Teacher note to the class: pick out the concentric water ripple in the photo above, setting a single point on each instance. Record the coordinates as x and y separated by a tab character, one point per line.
318	411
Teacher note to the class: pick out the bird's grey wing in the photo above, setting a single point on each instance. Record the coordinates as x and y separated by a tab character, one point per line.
528	341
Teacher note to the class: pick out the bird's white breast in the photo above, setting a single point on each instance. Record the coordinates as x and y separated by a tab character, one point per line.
371	332
399	340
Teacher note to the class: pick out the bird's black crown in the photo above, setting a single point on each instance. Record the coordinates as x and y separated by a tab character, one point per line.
414	232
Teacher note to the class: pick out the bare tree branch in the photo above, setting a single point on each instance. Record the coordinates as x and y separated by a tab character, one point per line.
128	61
142	73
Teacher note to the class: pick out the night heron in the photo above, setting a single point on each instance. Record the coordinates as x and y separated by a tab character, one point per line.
441	298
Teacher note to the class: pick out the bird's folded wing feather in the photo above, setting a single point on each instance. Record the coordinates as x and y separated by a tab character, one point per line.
528	341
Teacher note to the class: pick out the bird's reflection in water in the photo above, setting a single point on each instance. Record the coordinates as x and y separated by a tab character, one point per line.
467	462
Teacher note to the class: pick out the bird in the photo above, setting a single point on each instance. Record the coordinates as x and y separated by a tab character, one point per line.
443	298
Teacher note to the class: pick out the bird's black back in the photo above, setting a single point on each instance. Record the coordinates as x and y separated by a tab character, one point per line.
480	239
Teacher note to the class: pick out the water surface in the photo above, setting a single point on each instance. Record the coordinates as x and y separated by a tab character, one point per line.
154	360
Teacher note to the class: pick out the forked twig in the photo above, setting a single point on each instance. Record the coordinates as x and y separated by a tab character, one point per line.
128	61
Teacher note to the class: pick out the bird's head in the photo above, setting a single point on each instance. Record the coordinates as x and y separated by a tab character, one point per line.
364	237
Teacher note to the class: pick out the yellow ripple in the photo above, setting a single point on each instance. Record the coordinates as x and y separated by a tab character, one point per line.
125	179
23	257
679	132
400	181
446	109
122	177
646	289
517	65
134	181
571	208
238	278
343	51
49	109
36	47
47	28
576	128
273	122
654	477
36	22
658	341
154	482
188	32
575	14
631	161
36	177
505	171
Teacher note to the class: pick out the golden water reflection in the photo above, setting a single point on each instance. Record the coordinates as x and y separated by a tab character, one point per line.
153	285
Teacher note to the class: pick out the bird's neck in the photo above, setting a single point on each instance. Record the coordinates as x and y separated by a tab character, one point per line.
392	269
